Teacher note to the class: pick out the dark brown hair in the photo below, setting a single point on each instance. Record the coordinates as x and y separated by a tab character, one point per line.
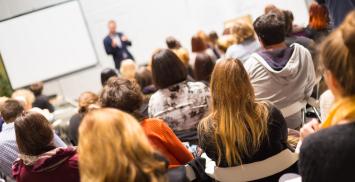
270	28
338	55
10	109
172	43
198	44
144	77
34	134
167	69
121	94
203	67
37	88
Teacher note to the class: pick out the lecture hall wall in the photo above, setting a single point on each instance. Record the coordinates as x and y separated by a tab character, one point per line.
128	13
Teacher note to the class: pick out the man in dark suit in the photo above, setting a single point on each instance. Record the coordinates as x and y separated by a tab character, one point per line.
116	44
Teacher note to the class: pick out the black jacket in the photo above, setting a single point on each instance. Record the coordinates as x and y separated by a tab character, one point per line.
118	53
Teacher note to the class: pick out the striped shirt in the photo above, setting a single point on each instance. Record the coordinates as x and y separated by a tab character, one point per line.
8	148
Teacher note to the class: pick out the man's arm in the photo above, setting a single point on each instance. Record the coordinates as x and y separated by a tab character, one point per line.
125	39
108	46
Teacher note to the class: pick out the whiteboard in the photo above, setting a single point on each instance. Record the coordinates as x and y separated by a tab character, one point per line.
45	44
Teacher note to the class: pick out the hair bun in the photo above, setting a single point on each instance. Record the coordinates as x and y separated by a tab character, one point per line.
348	31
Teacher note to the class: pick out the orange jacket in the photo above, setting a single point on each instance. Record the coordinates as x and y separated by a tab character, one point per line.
166	142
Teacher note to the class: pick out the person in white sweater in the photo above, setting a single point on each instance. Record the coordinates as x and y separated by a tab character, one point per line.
283	75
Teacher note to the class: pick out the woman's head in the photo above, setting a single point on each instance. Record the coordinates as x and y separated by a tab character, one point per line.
25	96
167	69
198	44
85	100
318	16
121	94
106	74
242	31
144	77
240	121
128	69
124	154
203	67
34	134
337	55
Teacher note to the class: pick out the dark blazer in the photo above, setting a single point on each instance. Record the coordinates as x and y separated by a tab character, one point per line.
118	53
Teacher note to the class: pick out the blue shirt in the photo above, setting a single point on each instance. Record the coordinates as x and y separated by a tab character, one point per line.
8	148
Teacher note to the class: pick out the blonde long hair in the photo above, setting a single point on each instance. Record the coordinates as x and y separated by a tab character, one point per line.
239	123
113	147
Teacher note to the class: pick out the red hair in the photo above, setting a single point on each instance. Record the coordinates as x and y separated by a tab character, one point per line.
318	16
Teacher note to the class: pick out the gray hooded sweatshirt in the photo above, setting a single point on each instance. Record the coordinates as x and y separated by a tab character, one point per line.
285	78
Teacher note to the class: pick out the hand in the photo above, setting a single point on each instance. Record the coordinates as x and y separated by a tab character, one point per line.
309	128
124	38
114	43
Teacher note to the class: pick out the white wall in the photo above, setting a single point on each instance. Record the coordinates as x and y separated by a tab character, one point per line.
142	21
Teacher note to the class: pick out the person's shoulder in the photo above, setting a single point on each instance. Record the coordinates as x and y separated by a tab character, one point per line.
331	137
197	85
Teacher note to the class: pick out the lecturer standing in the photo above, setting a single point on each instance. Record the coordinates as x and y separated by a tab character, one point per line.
116	44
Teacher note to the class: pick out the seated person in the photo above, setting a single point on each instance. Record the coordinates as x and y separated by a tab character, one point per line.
27	98
106	74
246	43
112	148
41	101
180	103
125	95
203	68
39	159
281	74
86	99
241	130
128	69
10	110
327	155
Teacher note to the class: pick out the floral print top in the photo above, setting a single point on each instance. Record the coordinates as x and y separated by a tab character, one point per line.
182	106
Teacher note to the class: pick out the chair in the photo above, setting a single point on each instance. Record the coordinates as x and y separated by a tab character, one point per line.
252	171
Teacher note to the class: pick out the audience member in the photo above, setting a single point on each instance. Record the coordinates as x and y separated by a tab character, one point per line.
223	43
41	101
145	80
106	74
128	69
86	99
112	148
10	110
172	43
203	68
208	42
116	44
318	25
125	95
246	43
178	102
183	55
290	37
338	9
39	159
2	101
239	129
281	74
327	154
26	97
198	46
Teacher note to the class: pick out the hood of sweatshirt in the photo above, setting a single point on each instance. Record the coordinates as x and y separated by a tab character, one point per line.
284	64
48	161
